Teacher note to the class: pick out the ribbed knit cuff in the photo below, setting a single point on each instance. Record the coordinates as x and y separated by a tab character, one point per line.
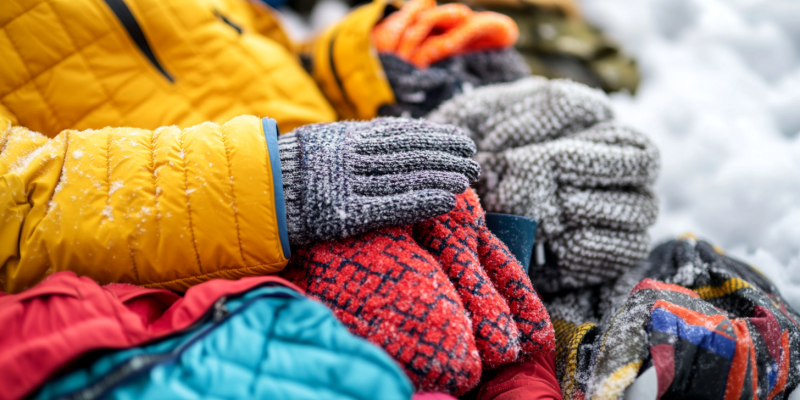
293	189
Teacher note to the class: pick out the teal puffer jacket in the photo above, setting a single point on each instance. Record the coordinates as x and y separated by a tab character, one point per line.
271	342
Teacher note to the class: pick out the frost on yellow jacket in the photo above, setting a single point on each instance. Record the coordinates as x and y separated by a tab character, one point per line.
166	208
88	64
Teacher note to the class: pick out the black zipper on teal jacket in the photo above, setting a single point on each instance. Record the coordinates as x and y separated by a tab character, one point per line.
130	24
216	315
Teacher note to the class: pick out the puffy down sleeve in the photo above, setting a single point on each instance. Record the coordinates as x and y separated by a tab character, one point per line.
167	208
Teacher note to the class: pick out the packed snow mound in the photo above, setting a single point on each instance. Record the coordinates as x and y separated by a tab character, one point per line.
720	95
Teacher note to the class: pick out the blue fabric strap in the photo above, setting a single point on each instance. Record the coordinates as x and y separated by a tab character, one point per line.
271	135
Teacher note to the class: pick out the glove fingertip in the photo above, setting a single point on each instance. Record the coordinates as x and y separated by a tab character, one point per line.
460	186
474	171
434	203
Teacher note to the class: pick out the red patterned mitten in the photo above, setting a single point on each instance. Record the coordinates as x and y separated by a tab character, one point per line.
387	289
536	333
453	239
508	319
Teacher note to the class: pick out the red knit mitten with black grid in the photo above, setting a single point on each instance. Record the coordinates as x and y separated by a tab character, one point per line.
508	319
387	289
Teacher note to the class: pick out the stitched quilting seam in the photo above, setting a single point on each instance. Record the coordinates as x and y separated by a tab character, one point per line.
19	15
197	55
108	210
133	261
155	182
213	274
60	174
52	66
233	196
188	202
109	99
33	80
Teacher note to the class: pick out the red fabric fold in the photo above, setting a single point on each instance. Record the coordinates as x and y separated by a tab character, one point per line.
533	380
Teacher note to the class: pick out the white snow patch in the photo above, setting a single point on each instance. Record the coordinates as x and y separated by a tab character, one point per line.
25	161
116	185
720	96
108	213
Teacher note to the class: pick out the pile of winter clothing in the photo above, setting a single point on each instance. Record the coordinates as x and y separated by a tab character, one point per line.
257	337
692	322
174	207
385	60
133	154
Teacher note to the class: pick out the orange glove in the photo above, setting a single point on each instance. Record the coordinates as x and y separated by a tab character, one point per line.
440	18
423	34
386	35
483	31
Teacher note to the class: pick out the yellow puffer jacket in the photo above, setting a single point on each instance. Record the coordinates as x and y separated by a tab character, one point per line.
346	66
166	208
88	64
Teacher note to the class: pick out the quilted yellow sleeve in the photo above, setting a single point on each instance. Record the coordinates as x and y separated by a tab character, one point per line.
167	208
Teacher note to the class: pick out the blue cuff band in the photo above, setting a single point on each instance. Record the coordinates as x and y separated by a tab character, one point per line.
271	135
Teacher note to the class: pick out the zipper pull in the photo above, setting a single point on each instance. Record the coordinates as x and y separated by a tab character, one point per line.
220	311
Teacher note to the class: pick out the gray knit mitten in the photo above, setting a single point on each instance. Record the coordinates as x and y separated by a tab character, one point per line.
345	178
551	151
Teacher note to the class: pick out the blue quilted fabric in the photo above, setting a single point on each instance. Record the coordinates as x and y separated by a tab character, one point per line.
271	343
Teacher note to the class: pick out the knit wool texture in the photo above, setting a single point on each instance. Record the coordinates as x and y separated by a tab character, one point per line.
345	178
693	278
508	319
551	151
385	288
445	297
420	90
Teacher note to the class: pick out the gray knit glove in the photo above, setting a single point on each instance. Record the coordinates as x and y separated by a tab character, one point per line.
551	151
345	178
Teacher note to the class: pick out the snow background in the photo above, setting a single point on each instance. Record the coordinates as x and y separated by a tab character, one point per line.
720	96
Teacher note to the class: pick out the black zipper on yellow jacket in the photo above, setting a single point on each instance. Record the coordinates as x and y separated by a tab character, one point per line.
130	24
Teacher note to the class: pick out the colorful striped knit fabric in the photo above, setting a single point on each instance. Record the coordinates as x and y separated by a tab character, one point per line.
711	326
